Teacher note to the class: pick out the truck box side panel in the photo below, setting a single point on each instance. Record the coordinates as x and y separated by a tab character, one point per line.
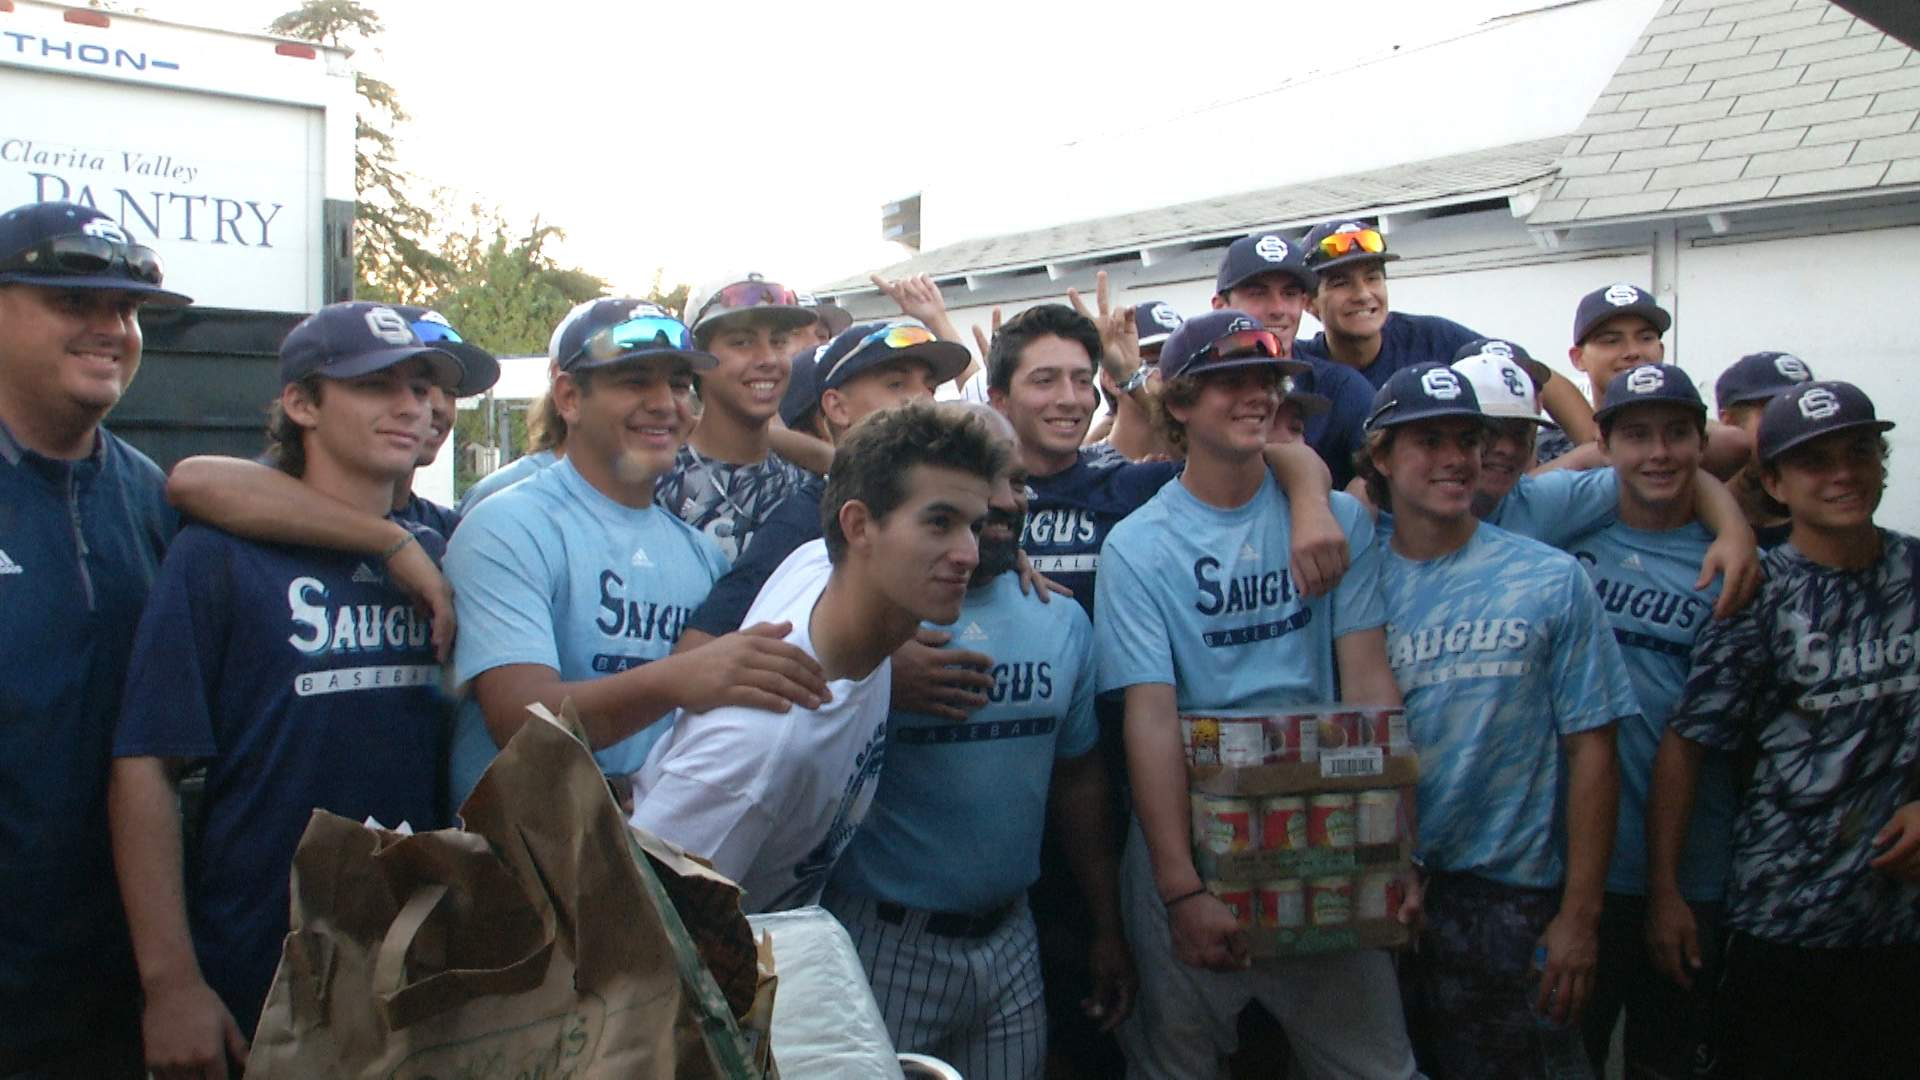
205	383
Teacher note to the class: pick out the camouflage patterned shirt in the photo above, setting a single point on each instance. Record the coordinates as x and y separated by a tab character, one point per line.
1820	677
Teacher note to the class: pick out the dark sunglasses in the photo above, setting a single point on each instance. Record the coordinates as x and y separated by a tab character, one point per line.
746	294
1239	345
641	334
79	254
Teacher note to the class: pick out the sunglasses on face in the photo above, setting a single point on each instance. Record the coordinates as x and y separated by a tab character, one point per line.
642	334
1368	241
746	294
87	255
891	338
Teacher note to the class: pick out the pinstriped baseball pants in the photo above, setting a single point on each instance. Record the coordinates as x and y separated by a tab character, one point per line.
974	1003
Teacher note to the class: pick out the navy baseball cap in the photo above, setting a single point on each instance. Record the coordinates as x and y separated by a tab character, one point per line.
1760	376
1613	301
864	346
606	331
483	370
1155	320
1344	242
1223	339
1422	392
1645	384
803	387
1813	409
359	337
1263	253
64	245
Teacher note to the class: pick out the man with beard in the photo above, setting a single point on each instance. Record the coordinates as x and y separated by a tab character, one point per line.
933	887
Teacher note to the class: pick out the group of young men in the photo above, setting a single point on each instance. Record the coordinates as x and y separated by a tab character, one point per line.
804	615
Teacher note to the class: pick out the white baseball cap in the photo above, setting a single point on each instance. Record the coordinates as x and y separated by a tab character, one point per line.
1500	380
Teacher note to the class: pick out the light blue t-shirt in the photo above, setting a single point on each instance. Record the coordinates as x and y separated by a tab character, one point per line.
1645	583
1500	648
956	822
1201	598
504	477
1557	506
552	572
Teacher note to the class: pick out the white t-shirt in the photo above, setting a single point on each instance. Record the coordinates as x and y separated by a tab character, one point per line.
772	798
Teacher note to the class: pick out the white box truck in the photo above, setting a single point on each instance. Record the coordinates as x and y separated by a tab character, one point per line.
230	154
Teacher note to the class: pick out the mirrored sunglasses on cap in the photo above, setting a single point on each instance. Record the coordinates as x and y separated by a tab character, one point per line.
892	338
79	254
746	294
638	335
429	332
1240	345
1367	241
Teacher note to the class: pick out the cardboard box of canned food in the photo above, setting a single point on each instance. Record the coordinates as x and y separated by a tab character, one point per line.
1301	822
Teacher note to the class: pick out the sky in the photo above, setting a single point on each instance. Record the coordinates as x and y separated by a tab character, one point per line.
706	139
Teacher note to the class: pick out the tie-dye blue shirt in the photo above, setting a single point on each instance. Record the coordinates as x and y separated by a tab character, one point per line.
1645	582
1501	648
1819	675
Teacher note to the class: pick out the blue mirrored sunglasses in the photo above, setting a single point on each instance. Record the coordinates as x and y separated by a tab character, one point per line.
642	334
430	332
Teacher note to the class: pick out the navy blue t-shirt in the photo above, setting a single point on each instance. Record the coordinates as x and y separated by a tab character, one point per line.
305	680
795	521
419	511
80	542
1405	340
1337	436
1070	513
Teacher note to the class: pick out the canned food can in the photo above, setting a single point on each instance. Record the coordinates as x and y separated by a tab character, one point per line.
1377	896
1386	729
1238	898
1203	739
1339	730
1283	903
1376	816
1243	740
1294	736
1330	901
1223	824
1330	820
1283	824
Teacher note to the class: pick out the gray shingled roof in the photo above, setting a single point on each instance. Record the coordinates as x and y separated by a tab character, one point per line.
1733	104
1461	177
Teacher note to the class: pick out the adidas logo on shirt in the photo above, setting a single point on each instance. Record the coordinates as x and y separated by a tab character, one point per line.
973	632
1632	562
367	575
1247	554
640	558
8	566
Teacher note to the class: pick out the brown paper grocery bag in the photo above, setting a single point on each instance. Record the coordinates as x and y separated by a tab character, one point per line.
538	942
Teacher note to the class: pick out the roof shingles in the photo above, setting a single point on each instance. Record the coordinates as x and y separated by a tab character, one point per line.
1733	103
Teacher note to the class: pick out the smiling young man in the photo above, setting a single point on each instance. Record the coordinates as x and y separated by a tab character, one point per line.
300	676
576	584
1171	639
1513	689
1266	276
83	530
1817	679
933	887
727	476
772	799
1646	570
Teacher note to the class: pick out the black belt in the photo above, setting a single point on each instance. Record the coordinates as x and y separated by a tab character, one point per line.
945	923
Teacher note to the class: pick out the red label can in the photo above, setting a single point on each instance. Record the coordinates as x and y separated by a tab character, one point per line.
1238	898
1377	896
1294	736
1283	824
1223	824
1330	820
1330	901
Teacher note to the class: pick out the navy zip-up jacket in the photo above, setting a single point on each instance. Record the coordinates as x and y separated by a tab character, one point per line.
79	544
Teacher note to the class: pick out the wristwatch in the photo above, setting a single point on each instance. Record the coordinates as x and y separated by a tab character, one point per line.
1136	380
